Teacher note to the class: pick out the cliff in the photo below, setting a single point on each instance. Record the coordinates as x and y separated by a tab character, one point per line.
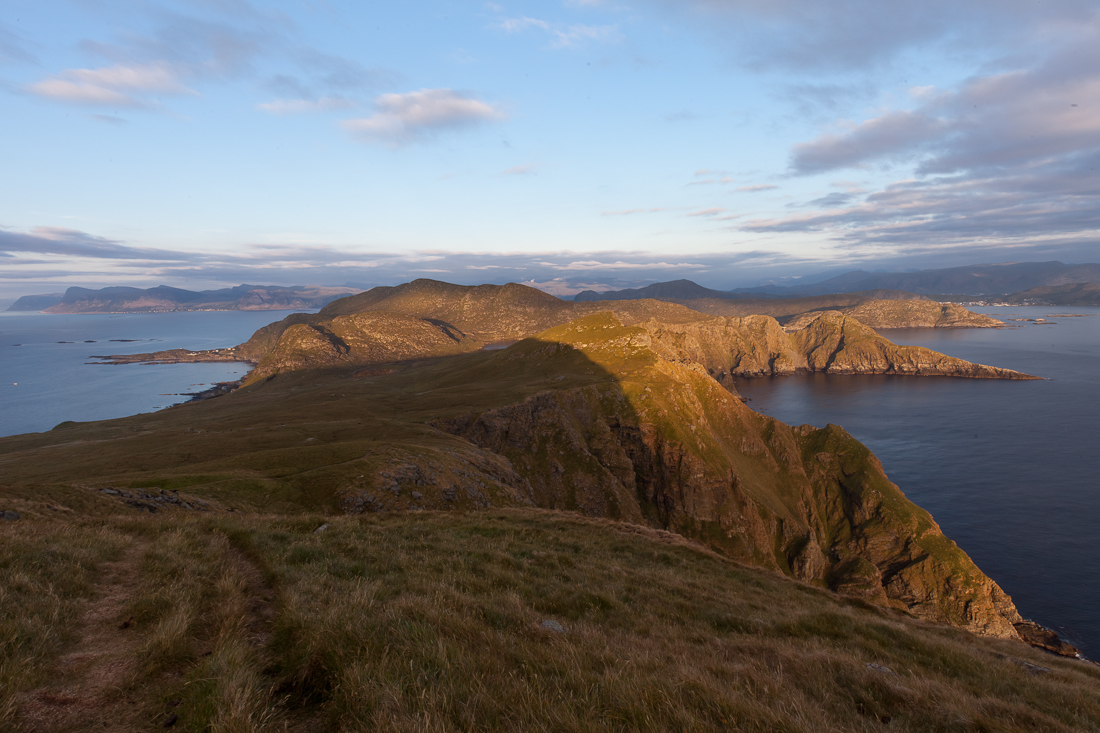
825	342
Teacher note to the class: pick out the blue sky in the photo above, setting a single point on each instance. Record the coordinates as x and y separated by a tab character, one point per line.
574	144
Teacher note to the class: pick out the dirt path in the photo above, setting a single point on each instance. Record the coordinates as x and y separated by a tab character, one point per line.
86	690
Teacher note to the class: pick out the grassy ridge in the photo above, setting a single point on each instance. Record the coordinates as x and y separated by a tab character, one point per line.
434	621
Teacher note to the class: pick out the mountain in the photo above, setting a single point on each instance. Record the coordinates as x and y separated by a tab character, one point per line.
673	290
1070	294
36	302
968	280
168	299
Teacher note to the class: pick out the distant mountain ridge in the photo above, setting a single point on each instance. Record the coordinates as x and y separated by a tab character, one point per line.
1070	294
163	298
967	280
672	290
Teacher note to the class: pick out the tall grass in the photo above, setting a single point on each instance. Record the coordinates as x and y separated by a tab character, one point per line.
47	572
426	621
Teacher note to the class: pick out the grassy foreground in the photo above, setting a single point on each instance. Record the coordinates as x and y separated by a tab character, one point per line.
428	621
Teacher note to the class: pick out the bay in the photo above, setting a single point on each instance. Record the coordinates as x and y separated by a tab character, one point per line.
44	382
1009	469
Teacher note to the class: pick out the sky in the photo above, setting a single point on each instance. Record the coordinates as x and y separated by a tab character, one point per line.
575	144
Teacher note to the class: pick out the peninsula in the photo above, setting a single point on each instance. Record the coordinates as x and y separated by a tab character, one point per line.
592	490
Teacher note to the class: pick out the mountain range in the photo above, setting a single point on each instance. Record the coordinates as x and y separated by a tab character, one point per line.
164	299
969	280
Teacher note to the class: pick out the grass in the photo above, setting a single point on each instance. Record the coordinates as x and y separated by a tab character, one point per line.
44	580
434	621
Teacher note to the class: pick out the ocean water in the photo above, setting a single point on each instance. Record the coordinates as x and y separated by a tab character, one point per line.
44	382
1010	470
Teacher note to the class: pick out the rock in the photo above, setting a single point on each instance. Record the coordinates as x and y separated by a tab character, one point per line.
1044	638
10	516
323	528
880	668
417	495
552	625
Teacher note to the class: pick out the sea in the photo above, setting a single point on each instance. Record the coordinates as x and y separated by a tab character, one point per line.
47	375
1009	469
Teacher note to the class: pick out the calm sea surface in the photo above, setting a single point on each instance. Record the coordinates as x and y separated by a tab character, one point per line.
1009	470
44	382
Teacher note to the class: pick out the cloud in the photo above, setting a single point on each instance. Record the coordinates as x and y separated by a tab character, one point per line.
283	107
520	170
891	135
116	86
707	212
73	243
561	35
1060	199
757	187
1007	156
628	212
846	35
13	50
829	201
516	25
404	118
587	265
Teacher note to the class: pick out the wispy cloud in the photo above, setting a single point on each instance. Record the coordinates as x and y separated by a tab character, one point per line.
520	170
844	35
757	187
588	265
562	35
115	86
404	118
628	212
282	107
708	212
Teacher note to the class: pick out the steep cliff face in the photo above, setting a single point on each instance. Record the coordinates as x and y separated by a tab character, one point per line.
828	342
666	445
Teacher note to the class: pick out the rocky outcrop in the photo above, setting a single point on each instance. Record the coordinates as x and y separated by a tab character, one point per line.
828	342
664	444
905	314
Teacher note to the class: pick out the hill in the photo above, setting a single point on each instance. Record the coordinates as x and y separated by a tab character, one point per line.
36	302
674	290
1069	294
163	298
